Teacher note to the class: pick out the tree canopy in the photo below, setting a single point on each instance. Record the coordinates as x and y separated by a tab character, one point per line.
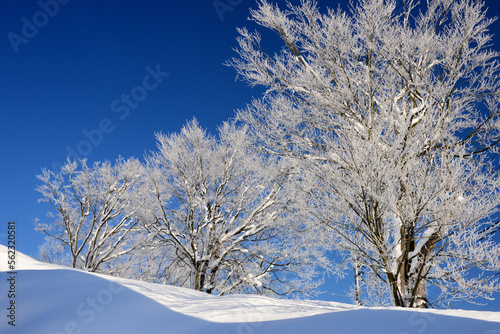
394	115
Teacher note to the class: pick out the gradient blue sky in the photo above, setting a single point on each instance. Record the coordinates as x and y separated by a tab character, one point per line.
61	83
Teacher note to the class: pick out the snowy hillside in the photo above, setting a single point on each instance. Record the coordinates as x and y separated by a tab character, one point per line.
52	299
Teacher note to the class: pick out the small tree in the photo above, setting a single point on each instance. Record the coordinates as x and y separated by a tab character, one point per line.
93	209
394	115
220	208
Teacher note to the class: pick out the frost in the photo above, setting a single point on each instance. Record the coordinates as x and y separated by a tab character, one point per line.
380	116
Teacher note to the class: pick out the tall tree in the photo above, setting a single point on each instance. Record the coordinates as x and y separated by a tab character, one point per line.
220	209
394	114
93	209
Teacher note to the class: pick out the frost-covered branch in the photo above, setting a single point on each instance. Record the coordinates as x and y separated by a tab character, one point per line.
395	121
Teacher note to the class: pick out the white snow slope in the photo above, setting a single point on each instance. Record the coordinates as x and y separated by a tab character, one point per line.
51	299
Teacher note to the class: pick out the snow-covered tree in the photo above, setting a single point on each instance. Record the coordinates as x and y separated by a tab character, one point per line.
93	209
394	116
220	209
152	262
52	251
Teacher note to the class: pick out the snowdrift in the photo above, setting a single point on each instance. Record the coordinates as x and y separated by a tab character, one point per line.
52	299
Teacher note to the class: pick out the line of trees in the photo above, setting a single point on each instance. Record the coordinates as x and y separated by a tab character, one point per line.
377	137
202	212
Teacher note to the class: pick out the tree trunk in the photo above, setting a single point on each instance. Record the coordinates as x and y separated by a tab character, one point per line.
356	280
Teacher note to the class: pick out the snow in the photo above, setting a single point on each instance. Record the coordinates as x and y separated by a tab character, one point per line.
52	299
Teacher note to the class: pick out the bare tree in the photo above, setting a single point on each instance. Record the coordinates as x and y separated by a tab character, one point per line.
94	209
394	116
220	209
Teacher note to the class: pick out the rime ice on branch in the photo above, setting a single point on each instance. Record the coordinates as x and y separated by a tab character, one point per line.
394	116
222	211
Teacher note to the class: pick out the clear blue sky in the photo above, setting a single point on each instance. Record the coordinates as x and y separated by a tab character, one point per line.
72	73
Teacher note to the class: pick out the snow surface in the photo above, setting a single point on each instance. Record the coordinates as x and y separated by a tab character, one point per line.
52	299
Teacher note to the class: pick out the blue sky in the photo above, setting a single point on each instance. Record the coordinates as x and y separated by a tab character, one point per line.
64	88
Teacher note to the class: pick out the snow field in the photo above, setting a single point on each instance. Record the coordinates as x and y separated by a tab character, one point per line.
58	300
